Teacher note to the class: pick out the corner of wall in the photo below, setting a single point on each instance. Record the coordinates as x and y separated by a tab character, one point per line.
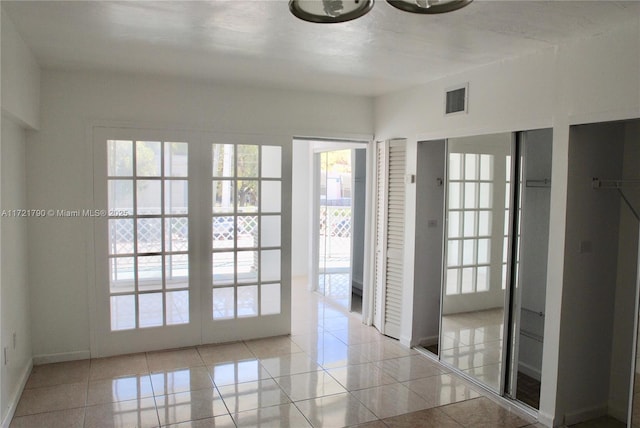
15	396
20	77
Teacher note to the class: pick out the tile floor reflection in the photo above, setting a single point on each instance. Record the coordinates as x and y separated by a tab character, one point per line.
331	372
472	342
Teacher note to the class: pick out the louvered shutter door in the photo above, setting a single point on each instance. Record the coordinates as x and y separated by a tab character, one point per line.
395	239
380	244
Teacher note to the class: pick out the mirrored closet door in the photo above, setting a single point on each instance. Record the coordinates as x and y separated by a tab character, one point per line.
492	311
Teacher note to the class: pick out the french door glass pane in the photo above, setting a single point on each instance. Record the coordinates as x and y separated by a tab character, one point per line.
148	158
454	224
270	299
486	167
271	162
470	166
453	253
452	281
176	271
176	197
123	312
176	234
270	265
248	196
455	166
150	310
223	303
454	196
149	273
247	161
149	235
270	233
120	158
121	196
223	232
176	159
248	301
271	196
223	165
177	311
247	232
247	268
223	196
149	197
467	280
121	236
484	223
223	265
122	274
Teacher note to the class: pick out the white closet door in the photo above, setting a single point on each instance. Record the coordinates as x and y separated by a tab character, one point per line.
389	262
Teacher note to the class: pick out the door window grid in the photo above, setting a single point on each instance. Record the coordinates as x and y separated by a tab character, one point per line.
246	226
470	200
148	233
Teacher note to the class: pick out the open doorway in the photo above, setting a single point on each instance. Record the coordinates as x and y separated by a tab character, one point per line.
339	215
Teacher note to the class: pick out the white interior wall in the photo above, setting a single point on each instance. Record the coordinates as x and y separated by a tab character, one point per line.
20	89
587	80
429	235
627	276
590	263
60	175
301	210
14	277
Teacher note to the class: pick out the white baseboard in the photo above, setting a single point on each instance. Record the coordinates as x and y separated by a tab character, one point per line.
586	414
405	341
545	419
529	370
60	358
13	401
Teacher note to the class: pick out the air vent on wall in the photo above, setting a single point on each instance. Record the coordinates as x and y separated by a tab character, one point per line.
456	99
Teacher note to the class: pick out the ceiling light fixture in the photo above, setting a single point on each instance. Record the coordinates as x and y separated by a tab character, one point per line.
429	7
332	11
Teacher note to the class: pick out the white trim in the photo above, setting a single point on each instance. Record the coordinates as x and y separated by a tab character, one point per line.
181	127
459	132
368	288
13	402
545	419
61	357
604	116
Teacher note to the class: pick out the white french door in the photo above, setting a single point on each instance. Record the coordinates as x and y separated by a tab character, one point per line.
191	238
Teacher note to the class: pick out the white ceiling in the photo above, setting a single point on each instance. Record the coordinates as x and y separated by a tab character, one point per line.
259	42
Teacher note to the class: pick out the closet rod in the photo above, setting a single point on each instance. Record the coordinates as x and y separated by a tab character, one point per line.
545	182
614	184
618	185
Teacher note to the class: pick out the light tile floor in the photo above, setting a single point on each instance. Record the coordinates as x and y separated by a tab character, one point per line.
331	372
